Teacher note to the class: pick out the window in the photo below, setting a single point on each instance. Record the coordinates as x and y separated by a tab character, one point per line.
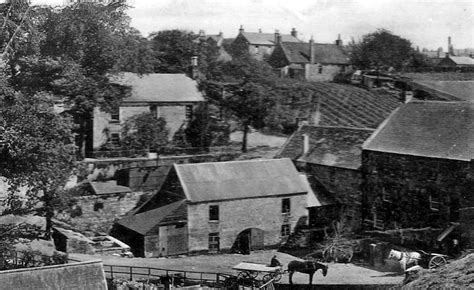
213	242
285	230
189	112
98	206
213	212
285	205
434	203
385	195
320	69
115	139
115	115
154	111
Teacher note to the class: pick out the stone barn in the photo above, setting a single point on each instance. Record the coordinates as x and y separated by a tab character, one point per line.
418	167
219	206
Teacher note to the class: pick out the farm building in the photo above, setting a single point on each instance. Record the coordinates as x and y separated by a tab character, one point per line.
331	158
418	167
310	61
213	207
172	97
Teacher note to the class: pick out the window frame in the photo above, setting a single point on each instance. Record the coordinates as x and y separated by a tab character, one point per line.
213	242
286	208
285	230
214	213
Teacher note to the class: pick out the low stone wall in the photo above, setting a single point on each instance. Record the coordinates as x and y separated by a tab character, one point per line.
83	275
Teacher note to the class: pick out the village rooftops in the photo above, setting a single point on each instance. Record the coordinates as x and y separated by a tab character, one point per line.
429	129
159	88
258	38
204	182
462	60
329	146
324	53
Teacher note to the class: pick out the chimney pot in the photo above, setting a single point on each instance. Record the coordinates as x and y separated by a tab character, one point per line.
305	143
277	36
241	29
294	33
311	50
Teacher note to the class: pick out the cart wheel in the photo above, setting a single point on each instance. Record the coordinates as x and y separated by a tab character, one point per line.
277	276
267	278
437	261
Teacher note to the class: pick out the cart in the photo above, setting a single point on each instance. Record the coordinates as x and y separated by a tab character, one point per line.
248	270
432	260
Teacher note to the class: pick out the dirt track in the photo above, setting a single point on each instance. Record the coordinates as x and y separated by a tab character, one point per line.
337	273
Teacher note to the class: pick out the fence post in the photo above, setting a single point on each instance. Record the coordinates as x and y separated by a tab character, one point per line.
111	272
131	273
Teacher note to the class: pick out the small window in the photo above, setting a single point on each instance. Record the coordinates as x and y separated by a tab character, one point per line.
213	212
213	242
98	206
385	195
189	112
434	203
115	115
285	205
154	111
115	139
320	69
285	230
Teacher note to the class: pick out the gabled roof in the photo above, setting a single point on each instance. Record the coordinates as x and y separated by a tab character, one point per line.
323	53
460	90
258	38
203	182
319	197
149	221
462	60
429	129
159	88
329	146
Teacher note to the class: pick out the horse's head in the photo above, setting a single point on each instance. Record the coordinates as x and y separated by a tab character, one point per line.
325	270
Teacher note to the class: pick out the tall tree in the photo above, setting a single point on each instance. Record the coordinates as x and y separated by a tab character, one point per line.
246	92
174	50
380	50
37	153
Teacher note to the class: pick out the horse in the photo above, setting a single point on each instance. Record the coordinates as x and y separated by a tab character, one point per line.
307	267
405	258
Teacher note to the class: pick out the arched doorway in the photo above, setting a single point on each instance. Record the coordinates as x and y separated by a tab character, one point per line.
248	240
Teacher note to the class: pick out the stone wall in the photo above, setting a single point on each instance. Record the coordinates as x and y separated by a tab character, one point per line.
343	183
412	191
99	212
236	216
327	74
83	275
466	218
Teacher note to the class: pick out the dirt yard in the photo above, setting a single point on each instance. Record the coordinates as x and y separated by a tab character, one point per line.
337	273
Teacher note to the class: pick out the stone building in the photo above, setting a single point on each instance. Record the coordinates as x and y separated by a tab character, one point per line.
418	167
451	62
172	97
310	61
214	207
331	158
259	44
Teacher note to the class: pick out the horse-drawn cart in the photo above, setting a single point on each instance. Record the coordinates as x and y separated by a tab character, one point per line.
249	270
420	258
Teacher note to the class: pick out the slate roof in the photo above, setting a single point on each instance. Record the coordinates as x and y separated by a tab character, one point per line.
108	187
258	38
323	53
461	90
204	182
159	88
462	60
429	129
330	146
148	222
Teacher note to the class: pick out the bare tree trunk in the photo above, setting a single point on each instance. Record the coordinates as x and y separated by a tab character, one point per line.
244	136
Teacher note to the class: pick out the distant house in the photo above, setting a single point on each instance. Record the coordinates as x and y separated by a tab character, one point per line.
443	90
172	97
310	61
213	207
332	159
418	166
260	45
456	62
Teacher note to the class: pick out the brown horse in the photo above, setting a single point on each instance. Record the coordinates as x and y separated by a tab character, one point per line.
307	267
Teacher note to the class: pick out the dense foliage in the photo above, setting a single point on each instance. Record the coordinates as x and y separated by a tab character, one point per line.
144	131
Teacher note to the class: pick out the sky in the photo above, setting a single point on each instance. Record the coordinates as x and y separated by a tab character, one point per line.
426	23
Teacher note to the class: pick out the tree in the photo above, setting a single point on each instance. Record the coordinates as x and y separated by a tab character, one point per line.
380	50
144	131
38	154
248	92
174	49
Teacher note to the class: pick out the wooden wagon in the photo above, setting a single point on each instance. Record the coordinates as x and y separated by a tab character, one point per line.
248	270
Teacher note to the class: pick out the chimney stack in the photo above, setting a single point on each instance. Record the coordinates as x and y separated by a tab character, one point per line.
277	37
338	40
294	33
305	144
311	50
241	29
450	46
193	69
